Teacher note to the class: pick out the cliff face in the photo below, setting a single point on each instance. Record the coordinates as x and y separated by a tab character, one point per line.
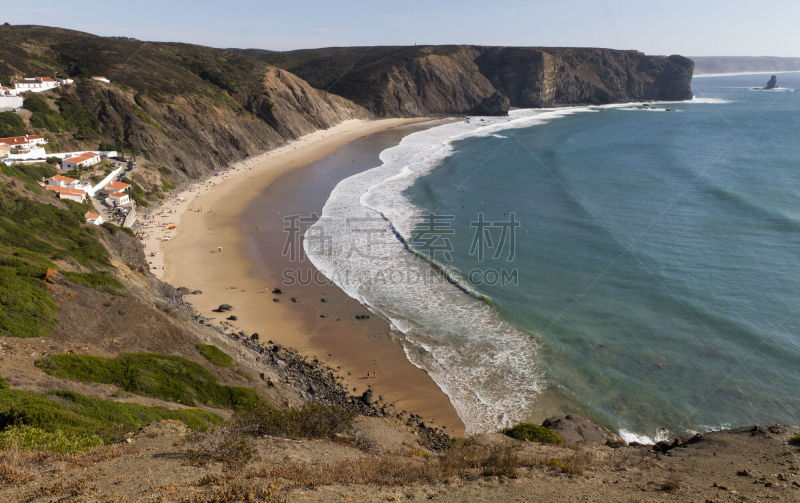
410	81
187	109
552	77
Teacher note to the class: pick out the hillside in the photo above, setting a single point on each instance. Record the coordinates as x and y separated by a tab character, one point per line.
424	80
185	108
736	64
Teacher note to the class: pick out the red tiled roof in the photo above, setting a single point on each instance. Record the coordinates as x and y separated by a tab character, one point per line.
91	215
67	191
59	178
19	140
82	157
45	79
117	186
118	194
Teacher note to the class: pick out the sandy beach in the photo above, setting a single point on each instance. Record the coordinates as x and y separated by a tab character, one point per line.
211	249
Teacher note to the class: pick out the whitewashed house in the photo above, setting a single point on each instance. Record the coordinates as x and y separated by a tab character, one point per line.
63	181
76	195
8	90
4	150
94	218
120	198
35	84
23	142
81	160
117	186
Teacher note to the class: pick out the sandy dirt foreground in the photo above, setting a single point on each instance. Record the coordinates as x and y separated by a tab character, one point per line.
206	251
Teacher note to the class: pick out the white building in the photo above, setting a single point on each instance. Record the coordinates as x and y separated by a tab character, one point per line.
101	79
23	142
10	103
116	186
4	150
8	90
87	159
63	181
94	218
120	198
76	195
35	84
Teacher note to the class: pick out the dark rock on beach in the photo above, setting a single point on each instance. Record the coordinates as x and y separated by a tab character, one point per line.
223	308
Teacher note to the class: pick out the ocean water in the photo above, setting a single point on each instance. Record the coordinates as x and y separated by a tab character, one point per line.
635	265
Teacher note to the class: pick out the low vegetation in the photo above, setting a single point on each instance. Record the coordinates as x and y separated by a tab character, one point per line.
533	433
795	440
310	420
101	281
26	307
461	459
11	124
49	231
233	446
42	115
63	421
161	376
214	355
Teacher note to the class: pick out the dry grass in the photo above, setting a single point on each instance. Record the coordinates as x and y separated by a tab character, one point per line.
235	493
575	464
12	476
456	462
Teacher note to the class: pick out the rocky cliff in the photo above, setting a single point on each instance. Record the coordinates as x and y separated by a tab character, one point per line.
408	81
187	109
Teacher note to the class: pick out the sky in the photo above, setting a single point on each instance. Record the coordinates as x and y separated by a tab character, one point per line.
691	28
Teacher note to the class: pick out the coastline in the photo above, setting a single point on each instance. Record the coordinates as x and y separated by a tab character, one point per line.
735	74
211	250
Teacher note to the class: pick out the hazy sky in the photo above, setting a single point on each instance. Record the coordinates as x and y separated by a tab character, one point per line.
696	28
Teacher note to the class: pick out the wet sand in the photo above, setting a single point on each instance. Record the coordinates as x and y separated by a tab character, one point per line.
231	243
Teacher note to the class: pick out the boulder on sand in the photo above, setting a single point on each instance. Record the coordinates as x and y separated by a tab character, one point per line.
223	308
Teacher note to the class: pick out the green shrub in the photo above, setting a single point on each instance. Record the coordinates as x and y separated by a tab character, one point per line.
167	377
11	124
137	193
3	383
27	438
49	231
214	355
43	116
795	440
77	117
26	307
30	172
311	420
102	281
75	419
534	433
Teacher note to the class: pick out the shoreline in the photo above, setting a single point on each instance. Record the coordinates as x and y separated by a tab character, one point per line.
211	250
735	74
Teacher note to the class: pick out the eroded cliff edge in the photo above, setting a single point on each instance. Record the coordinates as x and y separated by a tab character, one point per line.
425	80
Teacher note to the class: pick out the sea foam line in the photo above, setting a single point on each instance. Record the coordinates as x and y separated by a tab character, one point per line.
486	366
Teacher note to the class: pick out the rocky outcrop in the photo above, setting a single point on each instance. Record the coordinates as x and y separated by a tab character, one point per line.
434	80
772	83
576	429
533	77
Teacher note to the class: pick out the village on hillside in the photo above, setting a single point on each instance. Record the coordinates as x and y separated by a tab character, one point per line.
110	196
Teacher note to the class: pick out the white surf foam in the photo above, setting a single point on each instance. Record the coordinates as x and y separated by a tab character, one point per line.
486	366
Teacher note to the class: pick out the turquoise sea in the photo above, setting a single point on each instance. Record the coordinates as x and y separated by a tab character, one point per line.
649	276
